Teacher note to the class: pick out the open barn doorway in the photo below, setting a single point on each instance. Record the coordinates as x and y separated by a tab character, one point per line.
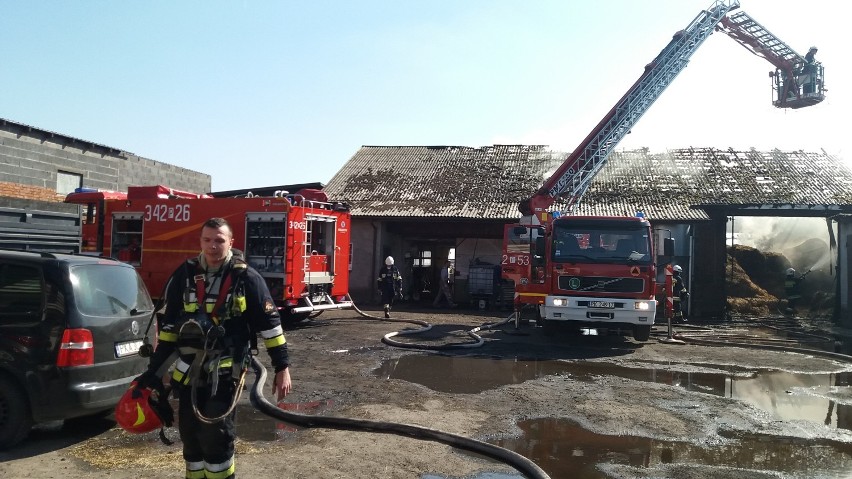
782	266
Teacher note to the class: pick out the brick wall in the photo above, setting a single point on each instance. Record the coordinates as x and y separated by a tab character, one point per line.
14	190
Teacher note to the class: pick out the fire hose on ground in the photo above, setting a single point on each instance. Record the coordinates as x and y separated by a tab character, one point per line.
424	326
528	468
707	336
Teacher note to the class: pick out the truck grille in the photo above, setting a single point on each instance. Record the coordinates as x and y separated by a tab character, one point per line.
601	284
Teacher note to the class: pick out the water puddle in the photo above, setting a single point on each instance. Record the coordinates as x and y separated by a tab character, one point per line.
253	425
787	396
562	448
565	449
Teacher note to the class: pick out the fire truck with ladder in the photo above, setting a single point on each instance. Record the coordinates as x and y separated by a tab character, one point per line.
601	272
298	242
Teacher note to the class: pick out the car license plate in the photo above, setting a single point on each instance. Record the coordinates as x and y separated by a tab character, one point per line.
127	348
602	304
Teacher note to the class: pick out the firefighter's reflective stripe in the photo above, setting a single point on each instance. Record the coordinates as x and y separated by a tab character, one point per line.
221	470
791	285
273	337
181	368
195	470
239	305
193	307
168	336
225	362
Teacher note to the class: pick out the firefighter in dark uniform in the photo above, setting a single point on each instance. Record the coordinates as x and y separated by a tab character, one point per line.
389	283
792	288
216	305
680	295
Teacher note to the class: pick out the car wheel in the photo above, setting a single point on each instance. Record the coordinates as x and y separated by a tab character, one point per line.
15	420
641	333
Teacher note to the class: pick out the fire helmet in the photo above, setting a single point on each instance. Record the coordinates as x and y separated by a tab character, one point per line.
134	411
791	271
677	269
389	260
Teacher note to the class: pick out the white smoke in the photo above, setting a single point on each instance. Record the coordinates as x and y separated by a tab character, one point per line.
787	236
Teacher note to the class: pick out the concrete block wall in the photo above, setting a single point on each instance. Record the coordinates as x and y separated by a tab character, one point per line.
30	160
136	170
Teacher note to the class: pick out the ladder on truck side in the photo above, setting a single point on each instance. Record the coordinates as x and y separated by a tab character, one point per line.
315	211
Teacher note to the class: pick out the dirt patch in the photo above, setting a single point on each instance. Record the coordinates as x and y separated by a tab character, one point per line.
334	357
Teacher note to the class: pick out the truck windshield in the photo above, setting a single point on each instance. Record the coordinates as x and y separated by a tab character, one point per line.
600	243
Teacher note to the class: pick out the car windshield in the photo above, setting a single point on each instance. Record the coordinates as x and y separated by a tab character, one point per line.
104	290
572	242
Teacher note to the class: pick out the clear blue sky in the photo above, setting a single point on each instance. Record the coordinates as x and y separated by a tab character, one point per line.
260	93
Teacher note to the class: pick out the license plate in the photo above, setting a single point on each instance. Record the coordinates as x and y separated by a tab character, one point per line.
602	304
127	348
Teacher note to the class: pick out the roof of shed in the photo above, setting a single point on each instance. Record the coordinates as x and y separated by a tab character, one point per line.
488	182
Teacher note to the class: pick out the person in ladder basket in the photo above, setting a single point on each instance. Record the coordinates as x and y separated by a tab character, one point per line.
389	283
216	305
680	295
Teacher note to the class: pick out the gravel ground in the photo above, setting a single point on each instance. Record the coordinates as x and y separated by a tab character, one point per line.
334	361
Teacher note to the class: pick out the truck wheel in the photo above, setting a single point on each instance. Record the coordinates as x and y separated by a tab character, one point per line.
641	333
15	420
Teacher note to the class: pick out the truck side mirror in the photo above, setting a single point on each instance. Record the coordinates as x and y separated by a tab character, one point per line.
668	246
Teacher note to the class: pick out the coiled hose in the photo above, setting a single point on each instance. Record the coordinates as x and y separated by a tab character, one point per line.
387	338
522	464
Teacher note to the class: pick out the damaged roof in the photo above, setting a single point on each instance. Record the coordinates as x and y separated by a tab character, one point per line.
488	182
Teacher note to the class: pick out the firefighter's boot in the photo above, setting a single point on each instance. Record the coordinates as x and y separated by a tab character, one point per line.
387	311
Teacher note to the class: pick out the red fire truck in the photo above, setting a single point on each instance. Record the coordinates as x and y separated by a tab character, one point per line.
601	272
298	242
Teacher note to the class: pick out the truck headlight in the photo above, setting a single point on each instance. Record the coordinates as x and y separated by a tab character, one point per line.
642	305
560	302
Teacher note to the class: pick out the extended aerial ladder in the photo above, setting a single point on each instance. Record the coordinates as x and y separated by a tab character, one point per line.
575	174
797	81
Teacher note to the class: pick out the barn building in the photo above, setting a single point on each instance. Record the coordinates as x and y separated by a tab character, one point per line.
425	204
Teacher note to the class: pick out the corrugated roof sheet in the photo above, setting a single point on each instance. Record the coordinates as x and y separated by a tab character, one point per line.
488	182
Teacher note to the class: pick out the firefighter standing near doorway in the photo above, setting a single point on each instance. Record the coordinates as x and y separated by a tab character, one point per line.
216	305
389	283
446	291
680	295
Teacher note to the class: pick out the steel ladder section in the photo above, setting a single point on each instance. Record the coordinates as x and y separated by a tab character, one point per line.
744	29
656	78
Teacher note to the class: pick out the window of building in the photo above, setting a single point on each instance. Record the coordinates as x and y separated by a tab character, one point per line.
423	259
68	182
